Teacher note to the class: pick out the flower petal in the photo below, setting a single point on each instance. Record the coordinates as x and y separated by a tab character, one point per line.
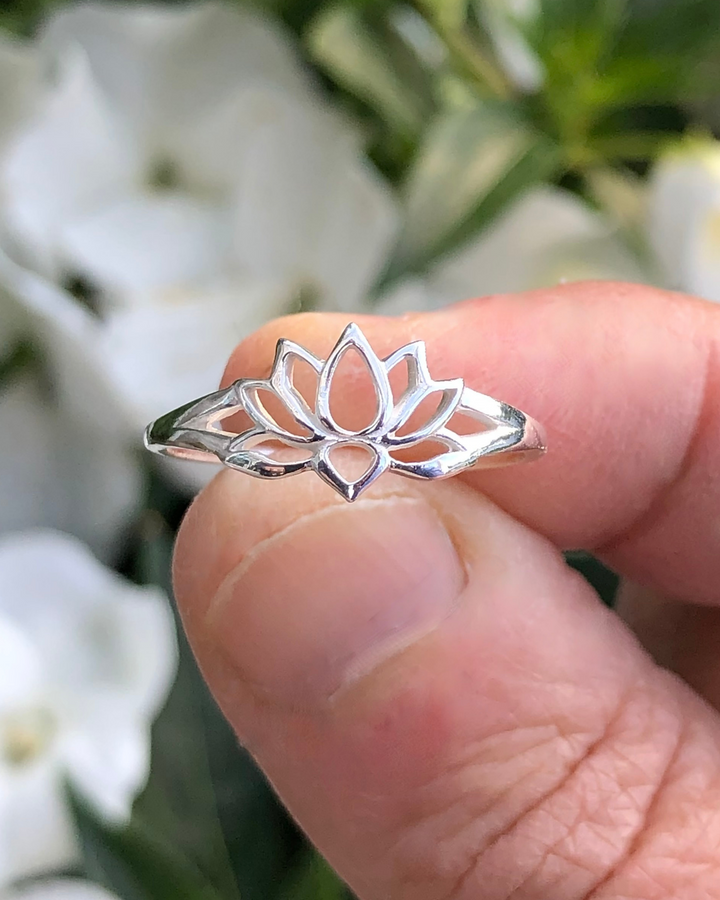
60	889
70	338
107	757
500	428
413	294
359	227
99	635
170	344
70	159
352	338
249	393
68	475
284	164
147	242
307	205
547	236
282	379
525	248
684	187
702	276
503	23
36	830
110	654
420	386
21	669
450	393
162	66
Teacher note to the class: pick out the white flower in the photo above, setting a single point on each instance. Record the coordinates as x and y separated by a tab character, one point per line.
124	130
684	217
60	473
69	337
86	660
60	889
548	236
111	376
268	197
60	470
184	177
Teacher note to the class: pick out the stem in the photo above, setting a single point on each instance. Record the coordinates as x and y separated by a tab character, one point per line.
466	56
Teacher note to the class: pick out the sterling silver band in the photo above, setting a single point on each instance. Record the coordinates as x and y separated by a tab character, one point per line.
193	431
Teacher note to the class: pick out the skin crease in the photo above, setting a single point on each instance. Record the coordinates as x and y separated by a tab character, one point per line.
446	708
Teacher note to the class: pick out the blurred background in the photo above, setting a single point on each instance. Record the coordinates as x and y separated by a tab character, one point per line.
174	175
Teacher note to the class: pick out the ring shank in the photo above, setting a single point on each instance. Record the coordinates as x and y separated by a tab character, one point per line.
173	434
531	446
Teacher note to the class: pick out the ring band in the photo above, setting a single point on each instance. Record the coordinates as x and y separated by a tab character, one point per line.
193	431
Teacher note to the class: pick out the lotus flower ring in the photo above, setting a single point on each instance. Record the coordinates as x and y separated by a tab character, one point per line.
393	440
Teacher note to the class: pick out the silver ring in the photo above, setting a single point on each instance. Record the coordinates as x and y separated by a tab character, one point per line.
193	431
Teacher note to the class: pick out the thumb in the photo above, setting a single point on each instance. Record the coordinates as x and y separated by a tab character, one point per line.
446	708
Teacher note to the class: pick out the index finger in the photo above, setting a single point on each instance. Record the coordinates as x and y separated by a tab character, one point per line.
625	380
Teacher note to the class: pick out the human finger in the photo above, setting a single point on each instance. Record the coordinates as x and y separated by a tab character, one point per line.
625	380
444	705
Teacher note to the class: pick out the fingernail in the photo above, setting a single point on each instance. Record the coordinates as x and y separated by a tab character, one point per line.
318	605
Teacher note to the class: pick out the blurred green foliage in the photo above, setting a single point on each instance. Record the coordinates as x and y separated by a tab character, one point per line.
465	103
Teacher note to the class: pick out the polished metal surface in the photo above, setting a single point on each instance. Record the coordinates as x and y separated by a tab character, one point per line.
193	431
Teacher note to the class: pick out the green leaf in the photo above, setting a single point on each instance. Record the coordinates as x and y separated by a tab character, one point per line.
661	27
604	580
20	357
450	14
180	802
24	16
575	40
133	863
472	164
314	880
205	796
601	54
365	55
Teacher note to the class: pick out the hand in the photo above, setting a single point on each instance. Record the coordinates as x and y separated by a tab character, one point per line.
444	705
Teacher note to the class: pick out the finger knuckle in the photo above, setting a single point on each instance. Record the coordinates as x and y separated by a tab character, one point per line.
676	853
547	810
